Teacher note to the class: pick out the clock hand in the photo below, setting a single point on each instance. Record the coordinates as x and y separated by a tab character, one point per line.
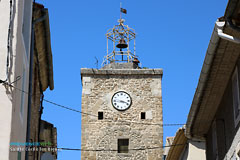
123	101
116	100
120	101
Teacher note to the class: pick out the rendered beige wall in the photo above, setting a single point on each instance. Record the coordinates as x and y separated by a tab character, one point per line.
194	151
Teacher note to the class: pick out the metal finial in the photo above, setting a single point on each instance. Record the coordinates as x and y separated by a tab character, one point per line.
120	10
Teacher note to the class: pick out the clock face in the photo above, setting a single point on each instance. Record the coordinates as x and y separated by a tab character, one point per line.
121	100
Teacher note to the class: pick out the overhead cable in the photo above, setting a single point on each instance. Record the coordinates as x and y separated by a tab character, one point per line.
89	114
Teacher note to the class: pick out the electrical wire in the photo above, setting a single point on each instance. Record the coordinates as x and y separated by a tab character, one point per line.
134	122
68	108
99	150
93	115
113	150
5	83
17	79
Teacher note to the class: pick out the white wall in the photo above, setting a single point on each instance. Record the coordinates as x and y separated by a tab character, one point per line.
12	122
5	100
196	151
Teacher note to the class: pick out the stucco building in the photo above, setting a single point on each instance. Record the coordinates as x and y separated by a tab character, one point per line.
214	114
182	148
26	72
121	105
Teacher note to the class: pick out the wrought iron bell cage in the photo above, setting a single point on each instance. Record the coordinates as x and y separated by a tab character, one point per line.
120	35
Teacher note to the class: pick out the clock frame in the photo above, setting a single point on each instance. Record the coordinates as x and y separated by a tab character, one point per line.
121	101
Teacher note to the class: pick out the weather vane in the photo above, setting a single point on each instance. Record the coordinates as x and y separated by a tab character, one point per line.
122	10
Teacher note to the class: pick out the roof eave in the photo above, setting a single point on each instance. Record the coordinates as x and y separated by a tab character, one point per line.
231	7
178	145
213	44
42	33
49	50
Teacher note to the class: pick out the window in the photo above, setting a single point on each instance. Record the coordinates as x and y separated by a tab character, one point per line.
164	157
100	115
235	95
26	25
123	145
143	115
214	141
19	155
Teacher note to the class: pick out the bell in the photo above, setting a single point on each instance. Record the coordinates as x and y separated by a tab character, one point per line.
122	44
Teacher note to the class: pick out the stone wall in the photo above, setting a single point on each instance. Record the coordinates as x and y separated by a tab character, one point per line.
144	87
48	135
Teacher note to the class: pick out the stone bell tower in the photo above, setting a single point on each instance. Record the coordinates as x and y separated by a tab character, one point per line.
121	104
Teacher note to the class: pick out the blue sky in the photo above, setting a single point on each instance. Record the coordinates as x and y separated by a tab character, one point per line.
172	35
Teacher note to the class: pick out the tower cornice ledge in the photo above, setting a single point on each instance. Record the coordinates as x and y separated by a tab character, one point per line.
90	71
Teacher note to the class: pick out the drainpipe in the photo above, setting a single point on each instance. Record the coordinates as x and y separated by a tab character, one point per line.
34	22
222	35
216	35
30	90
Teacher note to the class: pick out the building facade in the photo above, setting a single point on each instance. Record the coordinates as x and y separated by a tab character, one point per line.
42	79
182	148
15	38
15	54
214	114
121	109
